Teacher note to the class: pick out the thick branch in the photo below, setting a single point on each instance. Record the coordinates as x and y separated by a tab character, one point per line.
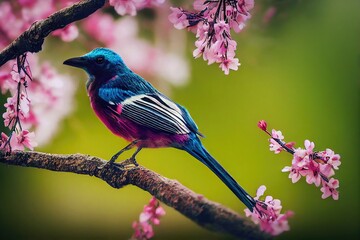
208	214
32	39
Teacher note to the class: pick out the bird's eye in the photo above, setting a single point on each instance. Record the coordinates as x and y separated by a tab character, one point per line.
99	60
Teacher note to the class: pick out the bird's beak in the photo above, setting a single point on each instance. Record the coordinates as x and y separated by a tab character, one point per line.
76	62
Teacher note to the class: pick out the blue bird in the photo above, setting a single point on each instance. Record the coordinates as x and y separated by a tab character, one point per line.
134	110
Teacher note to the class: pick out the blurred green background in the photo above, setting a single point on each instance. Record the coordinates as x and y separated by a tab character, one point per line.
300	73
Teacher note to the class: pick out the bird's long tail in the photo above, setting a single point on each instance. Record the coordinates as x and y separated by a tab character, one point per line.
196	149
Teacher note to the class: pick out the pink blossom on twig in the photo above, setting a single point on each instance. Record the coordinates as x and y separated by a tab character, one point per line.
68	33
316	167
330	189
22	140
151	214
212	22
268	214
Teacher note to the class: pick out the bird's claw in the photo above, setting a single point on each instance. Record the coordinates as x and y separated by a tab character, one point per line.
133	160
128	163
124	165
102	166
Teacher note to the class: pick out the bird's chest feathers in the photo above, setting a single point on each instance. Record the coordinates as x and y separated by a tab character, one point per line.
110	115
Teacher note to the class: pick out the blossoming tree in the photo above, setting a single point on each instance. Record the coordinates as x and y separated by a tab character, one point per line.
38	93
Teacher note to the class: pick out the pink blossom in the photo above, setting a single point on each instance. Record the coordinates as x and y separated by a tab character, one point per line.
218	49
152	212
130	7
277	134
330	158
200	43
10	114
300	158
314	166
312	173
274	145
212	22
18	77
221	28
23	139
51	96
7	83
309	146
326	170
178	18
262	125
123	7
294	173
268	215
4	142
330	189
150	215
101	27
13	109
143	230
228	64
68	33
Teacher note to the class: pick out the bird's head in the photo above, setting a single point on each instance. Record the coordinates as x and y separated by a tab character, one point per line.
100	64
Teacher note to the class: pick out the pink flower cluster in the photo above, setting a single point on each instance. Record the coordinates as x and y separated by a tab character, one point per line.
18	109
150	215
130	7
39	100
19	141
268	215
212	23
317	167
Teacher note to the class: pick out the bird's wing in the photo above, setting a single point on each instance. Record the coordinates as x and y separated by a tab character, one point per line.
151	110
156	112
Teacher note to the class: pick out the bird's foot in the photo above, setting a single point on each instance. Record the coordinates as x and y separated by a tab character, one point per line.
128	164
134	162
128	147
104	165
124	165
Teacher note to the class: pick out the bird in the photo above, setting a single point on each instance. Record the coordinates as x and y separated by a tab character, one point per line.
133	109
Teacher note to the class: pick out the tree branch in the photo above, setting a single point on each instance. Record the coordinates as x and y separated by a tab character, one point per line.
208	214
32	39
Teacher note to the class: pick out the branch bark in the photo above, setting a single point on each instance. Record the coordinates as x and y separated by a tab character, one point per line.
32	39
202	211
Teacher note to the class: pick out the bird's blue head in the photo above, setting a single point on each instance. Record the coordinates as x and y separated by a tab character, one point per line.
101	64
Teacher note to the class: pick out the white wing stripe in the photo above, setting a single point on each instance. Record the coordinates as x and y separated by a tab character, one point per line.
156	111
164	109
170	116
166	116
